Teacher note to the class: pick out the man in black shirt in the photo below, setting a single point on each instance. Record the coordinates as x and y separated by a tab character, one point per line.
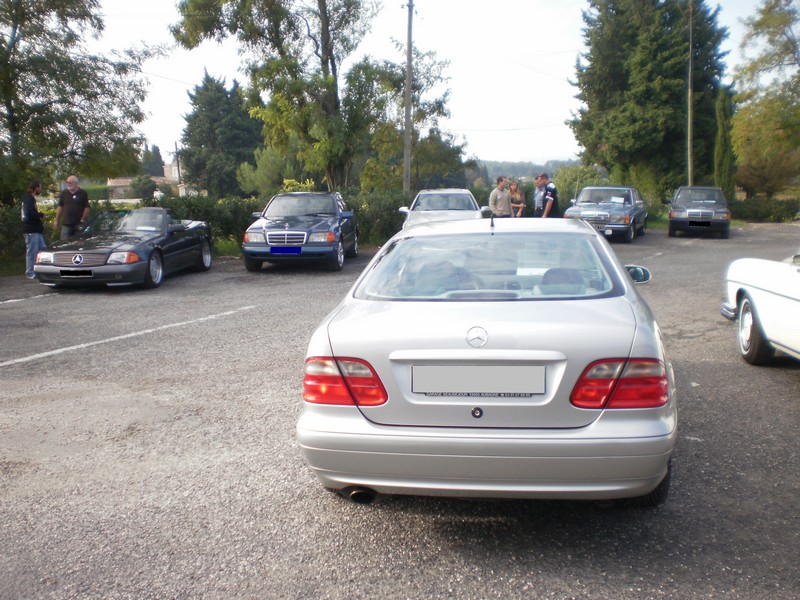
73	206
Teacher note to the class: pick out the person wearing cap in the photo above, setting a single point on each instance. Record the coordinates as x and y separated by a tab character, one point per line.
500	199
545	199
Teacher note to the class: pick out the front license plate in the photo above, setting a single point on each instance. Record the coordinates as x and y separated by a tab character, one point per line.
472	381
285	250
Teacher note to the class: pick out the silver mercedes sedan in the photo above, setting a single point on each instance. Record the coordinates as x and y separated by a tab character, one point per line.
508	358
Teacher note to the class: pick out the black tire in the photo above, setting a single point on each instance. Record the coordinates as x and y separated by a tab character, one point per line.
672	231
658	496
643	228
336	263
205	258
254	266
630	233
753	344
725	233
155	271
352	251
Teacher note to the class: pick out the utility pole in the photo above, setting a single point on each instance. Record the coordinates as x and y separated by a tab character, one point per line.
690	111
407	139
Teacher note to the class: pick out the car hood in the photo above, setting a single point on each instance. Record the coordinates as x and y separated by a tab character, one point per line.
103	241
699	205
543	346
303	223
428	216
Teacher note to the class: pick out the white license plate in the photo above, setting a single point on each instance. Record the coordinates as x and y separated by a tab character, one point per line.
499	381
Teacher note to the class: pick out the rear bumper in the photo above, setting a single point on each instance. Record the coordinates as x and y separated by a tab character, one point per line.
483	464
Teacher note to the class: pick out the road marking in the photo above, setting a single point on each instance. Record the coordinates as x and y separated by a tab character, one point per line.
50	294
122	337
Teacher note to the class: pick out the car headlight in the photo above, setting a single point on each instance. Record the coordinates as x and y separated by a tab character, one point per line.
678	214
572	215
44	258
326	236
254	237
122	258
722	216
619	219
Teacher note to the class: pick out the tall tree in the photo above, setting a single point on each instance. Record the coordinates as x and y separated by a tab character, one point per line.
766	128
152	163
723	147
298	48
62	108
632	84
219	136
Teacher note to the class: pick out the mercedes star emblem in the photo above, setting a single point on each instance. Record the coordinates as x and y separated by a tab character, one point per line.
477	337
77	259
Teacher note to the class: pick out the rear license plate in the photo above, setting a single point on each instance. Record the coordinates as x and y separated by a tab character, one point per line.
472	381
285	250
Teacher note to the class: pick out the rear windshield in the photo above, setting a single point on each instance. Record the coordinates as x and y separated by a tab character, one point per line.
510	266
299	206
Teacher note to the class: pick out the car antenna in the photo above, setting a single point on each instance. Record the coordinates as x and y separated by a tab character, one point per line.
491	223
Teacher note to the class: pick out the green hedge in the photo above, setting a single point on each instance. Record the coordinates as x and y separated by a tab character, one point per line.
763	210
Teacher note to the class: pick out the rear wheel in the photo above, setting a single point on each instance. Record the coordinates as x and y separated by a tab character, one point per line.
252	265
155	271
658	495
753	345
352	252
204	258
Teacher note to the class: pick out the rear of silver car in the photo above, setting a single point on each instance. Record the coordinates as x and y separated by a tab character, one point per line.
491	393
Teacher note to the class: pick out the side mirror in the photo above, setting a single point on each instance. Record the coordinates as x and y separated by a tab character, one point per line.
174	227
346	214
486	212
403	210
573	201
666	201
638	274
256	215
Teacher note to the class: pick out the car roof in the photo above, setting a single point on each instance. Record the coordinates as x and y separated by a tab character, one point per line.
445	191
500	226
608	187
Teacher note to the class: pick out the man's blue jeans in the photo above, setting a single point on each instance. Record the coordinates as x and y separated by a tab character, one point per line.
33	243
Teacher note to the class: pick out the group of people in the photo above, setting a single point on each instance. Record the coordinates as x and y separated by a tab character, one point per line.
511	202
73	207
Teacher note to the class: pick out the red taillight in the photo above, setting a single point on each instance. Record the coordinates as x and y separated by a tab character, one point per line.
620	383
342	381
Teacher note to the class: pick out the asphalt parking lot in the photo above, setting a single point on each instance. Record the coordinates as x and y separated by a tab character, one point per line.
147	451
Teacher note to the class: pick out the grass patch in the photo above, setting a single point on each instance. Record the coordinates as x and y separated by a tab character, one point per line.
227	247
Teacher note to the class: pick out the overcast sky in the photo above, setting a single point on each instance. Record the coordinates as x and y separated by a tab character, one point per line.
510	65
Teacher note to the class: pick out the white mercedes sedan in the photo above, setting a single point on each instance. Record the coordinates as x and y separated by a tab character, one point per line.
764	297
446	204
507	358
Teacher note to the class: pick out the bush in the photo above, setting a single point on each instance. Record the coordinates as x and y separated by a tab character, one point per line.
762	210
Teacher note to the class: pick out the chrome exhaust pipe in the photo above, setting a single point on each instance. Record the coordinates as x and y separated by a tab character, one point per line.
360	495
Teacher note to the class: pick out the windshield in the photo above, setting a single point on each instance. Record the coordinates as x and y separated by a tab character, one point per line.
454	201
477	267
299	206
709	196
126	220
611	196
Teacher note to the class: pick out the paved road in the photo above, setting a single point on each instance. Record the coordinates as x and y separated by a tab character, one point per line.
147	451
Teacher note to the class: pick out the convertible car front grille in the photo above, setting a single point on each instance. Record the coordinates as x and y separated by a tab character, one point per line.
79	259
286	238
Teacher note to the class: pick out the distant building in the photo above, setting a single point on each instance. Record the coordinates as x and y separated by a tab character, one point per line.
118	186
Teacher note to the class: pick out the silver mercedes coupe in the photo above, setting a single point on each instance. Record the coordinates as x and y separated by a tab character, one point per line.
493	358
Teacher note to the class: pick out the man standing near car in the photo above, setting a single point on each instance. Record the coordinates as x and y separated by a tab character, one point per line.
500	199
545	199
73	206
32	227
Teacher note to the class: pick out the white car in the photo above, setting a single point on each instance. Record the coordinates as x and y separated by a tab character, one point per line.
764	296
496	358
452	204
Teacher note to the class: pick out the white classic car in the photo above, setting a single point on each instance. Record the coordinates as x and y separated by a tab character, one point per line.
764	296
